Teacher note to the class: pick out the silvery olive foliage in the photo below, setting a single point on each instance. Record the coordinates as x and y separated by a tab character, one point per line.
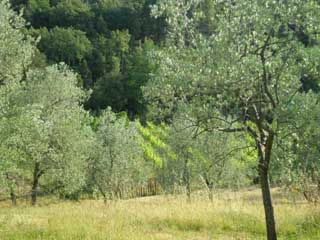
207	160
297	158
49	140
118	164
58	137
16	51
241	77
45	138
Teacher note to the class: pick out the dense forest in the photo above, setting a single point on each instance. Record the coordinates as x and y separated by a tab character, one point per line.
118	99
105	42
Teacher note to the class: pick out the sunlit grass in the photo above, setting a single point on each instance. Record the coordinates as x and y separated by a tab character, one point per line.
232	215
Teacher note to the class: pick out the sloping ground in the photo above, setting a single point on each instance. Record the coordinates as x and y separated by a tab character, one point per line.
231	215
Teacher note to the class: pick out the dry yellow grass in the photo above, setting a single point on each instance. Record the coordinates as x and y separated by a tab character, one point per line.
232	215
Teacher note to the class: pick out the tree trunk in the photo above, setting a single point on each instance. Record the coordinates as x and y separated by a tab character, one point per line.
104	195
186	180
13	197
264	162
267	203
210	189
35	184
211	194
188	191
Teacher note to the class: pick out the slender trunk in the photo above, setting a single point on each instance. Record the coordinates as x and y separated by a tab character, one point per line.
267	203
186	180
120	192
188	191
105	199
210	189
13	197
211	194
264	161
34	191
110	189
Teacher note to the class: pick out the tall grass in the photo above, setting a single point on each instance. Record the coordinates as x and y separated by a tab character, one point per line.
231	215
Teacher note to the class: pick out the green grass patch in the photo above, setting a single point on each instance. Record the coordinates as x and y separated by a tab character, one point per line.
230	216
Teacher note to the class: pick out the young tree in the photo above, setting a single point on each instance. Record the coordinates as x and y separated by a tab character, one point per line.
182	143
213	158
240	77
55	138
219	161
118	162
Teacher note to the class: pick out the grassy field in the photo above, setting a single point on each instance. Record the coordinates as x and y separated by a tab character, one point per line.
232	215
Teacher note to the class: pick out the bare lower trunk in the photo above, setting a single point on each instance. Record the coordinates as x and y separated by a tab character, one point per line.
35	184
210	195
34	191
210	189
188	191
105	199
268	208
186	180
13	198
264	162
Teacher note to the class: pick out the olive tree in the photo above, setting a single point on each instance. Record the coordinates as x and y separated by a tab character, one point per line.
16	51
181	142
55	137
118	163
220	161
240	77
212	159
